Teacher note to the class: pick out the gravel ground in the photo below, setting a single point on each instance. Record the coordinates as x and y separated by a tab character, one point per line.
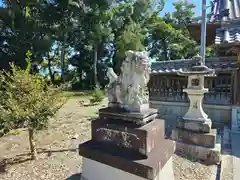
186	169
227	158
227	167
57	147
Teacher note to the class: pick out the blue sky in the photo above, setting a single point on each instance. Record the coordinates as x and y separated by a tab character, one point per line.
169	8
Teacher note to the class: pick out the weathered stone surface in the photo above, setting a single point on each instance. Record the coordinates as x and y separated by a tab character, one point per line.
198	140
208	155
128	89
196	119
141	139
115	113
126	161
196	126
195	111
193	138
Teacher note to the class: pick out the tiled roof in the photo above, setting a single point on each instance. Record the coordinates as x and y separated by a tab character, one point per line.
228	13
219	64
223	10
227	35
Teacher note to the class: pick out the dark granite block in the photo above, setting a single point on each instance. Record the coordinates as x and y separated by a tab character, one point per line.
141	139
127	161
140	118
193	138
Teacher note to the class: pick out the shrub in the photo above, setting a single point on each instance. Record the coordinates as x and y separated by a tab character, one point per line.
97	96
27	102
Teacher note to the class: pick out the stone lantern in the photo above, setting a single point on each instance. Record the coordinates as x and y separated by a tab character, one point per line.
195	118
194	134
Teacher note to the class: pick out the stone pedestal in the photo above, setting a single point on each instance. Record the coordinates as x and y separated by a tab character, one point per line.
121	149
105	172
197	139
193	134
193	125
204	146
139	118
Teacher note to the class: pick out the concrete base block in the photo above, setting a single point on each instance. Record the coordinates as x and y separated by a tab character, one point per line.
127	161
93	170
197	126
208	155
190	137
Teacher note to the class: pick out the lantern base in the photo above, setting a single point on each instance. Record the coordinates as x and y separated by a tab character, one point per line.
195	126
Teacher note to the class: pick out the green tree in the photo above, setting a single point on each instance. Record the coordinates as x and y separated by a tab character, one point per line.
63	18
51	62
98	29
106	30
27	101
130	26
23	28
169	36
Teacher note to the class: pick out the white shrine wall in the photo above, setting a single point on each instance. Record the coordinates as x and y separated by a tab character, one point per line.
171	111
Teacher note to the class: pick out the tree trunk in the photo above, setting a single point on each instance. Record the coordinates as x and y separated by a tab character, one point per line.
32	145
62	57
80	73
50	70
95	59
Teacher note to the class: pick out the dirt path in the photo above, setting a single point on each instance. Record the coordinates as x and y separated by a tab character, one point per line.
58	157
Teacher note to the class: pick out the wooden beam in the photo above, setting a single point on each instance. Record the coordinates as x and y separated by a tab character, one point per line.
195	32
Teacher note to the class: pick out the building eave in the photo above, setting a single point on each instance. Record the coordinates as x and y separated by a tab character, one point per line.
219	64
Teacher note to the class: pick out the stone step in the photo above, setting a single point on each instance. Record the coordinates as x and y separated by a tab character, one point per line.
120	159
194	138
208	155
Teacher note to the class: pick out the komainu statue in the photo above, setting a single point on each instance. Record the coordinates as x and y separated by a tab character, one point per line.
128	89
